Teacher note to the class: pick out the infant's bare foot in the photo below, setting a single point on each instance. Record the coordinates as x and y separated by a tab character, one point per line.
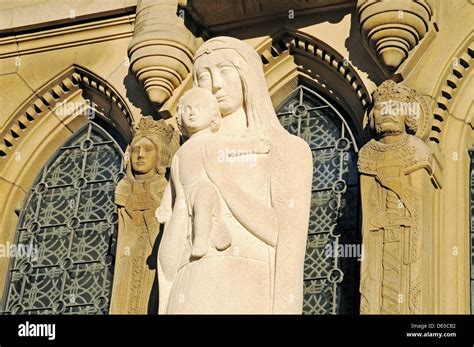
264	145
222	240
200	247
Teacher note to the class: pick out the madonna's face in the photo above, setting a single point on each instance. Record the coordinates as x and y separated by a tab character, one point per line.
219	76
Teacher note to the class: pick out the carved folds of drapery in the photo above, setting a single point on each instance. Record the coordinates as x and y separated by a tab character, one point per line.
397	187
137	199
393	28
162	48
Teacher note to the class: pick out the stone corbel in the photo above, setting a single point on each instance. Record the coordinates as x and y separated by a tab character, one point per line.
394	28
161	51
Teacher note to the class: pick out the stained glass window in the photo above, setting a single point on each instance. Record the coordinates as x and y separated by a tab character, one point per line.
68	230
333	245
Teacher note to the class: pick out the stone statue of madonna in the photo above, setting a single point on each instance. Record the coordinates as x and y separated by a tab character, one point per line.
263	199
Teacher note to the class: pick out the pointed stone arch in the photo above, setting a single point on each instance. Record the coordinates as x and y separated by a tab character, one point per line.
40	125
451	136
456	71
295	62
45	101
291	55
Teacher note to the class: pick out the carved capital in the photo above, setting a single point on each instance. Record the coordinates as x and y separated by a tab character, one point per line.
161	51
393	28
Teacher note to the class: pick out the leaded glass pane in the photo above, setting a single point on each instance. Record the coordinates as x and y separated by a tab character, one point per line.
330	277
69	223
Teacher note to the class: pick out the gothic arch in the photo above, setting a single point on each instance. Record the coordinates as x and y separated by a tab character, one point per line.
298	64
451	135
44	102
40	125
455	73
319	66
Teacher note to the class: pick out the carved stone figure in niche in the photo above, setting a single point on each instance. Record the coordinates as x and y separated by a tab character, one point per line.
137	196
395	170
259	177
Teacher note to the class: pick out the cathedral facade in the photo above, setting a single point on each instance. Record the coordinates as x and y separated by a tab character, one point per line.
380	91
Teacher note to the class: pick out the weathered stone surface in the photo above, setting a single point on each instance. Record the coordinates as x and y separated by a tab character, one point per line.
138	195
394	28
395	167
237	209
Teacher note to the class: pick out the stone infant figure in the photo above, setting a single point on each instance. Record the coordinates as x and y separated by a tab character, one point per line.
199	119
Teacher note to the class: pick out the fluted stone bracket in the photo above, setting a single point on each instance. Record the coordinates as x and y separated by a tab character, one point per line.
161	51
393	28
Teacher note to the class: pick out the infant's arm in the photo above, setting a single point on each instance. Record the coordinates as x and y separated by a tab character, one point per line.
163	212
246	145
175	175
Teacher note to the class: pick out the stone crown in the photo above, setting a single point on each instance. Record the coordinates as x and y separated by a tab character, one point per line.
157	129
390	90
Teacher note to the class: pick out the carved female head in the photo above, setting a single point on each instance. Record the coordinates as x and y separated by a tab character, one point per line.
232	71
143	156
149	153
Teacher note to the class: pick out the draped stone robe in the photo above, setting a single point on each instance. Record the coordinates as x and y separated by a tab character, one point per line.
262	271
134	275
394	180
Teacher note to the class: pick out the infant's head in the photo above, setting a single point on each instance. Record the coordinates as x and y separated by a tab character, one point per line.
197	110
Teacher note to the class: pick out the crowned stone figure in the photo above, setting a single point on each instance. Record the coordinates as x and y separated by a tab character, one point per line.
137	196
395	168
